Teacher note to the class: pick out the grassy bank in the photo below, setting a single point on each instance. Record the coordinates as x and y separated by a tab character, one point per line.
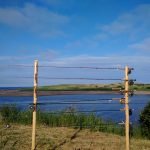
48	138
65	130
67	118
89	87
19	137
72	87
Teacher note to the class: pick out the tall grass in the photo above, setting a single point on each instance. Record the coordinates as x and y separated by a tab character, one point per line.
11	114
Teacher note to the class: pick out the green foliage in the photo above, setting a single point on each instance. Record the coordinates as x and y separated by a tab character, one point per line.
25	117
145	121
68	118
9	113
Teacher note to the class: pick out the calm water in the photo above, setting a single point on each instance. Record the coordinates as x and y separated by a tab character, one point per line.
137	103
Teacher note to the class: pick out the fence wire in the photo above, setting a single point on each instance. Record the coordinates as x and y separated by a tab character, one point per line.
16	124
57	128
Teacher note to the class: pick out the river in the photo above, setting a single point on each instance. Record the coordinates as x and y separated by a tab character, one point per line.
107	109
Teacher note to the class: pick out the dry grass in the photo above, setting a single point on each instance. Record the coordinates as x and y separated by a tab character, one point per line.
60	138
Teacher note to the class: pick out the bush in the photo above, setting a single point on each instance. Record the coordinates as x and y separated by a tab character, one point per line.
9	113
145	121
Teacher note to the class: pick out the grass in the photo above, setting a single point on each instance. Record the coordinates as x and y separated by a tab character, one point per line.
67	118
19	137
71	87
56	130
89	87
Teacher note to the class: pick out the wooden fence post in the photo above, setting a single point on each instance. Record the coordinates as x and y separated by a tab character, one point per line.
34	104
127	107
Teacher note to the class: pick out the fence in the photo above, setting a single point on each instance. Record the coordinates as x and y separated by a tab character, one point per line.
124	100
76	118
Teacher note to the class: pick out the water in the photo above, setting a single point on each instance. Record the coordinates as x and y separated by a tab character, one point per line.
12	88
137	103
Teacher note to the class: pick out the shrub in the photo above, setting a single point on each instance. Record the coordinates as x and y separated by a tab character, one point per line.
9	113
145	121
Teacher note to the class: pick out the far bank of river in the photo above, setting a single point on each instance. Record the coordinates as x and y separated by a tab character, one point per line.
49	93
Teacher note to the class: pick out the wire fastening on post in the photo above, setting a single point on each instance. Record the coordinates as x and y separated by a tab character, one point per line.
35	104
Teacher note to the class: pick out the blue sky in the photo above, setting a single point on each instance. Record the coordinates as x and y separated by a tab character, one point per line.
74	33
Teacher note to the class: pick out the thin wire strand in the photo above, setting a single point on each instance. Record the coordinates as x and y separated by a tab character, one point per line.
67	78
72	103
68	103
117	125
66	67
85	103
17	65
84	111
81	67
62	103
100	99
52	103
82	100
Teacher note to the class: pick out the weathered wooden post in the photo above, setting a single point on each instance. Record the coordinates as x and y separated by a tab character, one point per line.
127	107
34	104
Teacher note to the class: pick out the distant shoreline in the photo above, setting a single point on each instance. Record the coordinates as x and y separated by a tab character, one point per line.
50	93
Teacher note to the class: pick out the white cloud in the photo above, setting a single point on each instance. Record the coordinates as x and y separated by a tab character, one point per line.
131	22
86	43
140	64
128	27
51	58
98	61
46	55
34	18
142	46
